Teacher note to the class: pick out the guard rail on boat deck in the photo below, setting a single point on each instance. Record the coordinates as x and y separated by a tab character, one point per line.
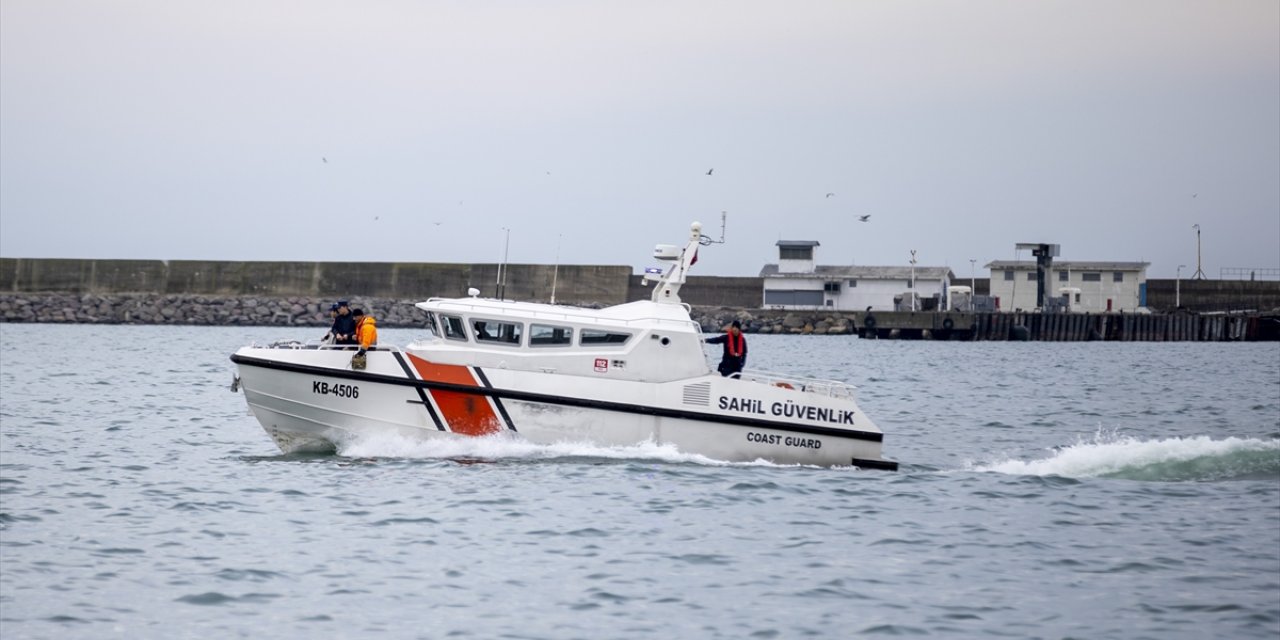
315	344
830	388
583	318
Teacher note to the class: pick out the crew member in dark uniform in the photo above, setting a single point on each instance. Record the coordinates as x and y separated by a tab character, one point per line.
333	320
344	326
735	350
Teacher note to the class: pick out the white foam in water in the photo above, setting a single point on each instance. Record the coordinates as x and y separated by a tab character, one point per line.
504	447
1114	455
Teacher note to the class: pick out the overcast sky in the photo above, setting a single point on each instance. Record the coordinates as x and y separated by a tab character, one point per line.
418	130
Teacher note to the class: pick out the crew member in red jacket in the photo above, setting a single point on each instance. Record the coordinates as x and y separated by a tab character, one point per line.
735	350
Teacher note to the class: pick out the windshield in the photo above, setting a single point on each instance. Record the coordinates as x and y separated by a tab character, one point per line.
431	325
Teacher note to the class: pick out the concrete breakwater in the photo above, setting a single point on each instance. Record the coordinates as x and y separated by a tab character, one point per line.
566	283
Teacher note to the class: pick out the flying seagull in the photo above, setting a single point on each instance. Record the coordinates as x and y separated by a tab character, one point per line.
830	194
324	160
864	218
710	170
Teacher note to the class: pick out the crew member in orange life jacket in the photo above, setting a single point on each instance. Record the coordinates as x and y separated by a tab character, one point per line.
367	335
735	350
366	330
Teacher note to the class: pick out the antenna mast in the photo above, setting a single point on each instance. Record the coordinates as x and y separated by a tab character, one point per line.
705	241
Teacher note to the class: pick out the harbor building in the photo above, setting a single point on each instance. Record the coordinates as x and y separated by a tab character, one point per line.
798	282
1074	286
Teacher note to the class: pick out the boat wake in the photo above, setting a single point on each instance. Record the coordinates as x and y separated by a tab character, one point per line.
505	448
1198	458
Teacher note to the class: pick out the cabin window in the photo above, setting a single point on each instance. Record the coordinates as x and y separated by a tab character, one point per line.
1008	274
1063	276
853	283
598	336
1117	276
1031	276
545	335
454	328
831	287
493	331
1091	277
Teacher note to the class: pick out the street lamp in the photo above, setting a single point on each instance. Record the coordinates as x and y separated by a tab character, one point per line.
499	283
1199	274
913	280
1177	287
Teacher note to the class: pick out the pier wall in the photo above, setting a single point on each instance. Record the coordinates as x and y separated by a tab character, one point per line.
1213	295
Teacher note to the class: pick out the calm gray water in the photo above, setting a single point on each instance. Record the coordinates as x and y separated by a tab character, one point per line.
1048	490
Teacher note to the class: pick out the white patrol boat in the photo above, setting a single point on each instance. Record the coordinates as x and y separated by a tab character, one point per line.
621	375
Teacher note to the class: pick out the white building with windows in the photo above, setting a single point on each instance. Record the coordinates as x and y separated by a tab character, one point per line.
797	282
1093	287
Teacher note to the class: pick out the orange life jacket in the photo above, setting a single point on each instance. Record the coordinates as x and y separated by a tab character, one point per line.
367	332
737	348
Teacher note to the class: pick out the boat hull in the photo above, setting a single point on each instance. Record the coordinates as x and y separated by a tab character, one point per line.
311	400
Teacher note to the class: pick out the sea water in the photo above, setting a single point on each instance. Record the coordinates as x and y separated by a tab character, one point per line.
1047	490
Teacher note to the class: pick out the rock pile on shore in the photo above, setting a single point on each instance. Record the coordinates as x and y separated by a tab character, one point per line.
199	310
193	310
717	319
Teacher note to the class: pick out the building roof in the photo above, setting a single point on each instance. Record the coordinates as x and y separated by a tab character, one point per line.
798	243
1068	265
864	273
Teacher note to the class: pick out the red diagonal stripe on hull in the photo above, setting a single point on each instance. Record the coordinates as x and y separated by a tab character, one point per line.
470	414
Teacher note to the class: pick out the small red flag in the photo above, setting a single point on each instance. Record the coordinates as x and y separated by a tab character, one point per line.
695	258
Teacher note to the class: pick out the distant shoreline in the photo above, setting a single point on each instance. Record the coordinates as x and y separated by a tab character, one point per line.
311	314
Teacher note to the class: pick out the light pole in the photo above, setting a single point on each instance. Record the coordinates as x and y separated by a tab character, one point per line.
1199	274
555	274
913	280
1177	288
499	284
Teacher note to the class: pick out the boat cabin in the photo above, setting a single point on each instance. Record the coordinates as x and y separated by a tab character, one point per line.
641	340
